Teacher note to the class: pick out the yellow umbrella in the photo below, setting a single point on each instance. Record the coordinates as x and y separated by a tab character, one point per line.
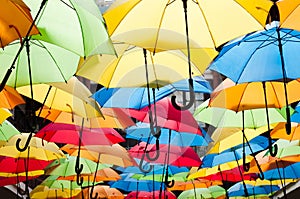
4	114
128	69
152	25
41	191
71	96
236	138
289	11
39	149
280	131
259	182
112	118
102	191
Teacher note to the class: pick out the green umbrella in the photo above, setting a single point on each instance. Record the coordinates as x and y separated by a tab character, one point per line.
75	25
7	130
53	182
221	117
210	192
66	166
158	177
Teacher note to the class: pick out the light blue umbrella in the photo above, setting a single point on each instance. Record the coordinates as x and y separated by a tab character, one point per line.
137	98
141	132
127	183
239	190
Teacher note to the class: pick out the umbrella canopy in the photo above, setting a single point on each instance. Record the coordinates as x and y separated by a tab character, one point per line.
7	130
240	96
111	118
149	195
157	30
279	131
73	134
4	114
210	192
238	190
102	191
288	10
137	98
167	116
68	24
127	183
222	117
178	156
191	184
141	132
16	27
45	192
114	72
71	96
65	166
10	98
109	154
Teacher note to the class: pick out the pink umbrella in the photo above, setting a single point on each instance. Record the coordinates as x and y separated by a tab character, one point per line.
168	117
70	134
178	156
149	195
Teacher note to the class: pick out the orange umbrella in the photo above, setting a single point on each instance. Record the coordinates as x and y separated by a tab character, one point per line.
106	174
113	118
15	20
102	191
108	154
279	131
192	184
9	98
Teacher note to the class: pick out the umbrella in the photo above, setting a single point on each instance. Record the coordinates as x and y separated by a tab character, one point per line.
285	12
210	192
7	130
10	98
41	191
102	191
73	134
238	190
112	118
279	131
113	72
71	96
178	156
65	166
4	114
110	154
192	184
68	24
141	131
136	98
149	195
223	117
127	183
168	117
16	27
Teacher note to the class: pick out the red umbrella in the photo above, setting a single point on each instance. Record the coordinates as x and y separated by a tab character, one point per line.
149	195
70	134
168	117
178	156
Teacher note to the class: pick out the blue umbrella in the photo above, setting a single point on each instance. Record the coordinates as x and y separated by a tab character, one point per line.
257	144
265	55
238	190
127	183
296	115
289	172
142	130
137	98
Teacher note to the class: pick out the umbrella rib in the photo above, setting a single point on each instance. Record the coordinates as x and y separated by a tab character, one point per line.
52	59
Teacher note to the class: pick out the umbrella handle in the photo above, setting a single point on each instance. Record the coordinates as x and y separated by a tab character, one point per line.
191	100
141	165
26	144
91	194
246	166
157	152
288	125
79	179
170	184
273	153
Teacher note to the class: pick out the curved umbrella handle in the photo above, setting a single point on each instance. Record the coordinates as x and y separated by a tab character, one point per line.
91	194
26	144
78	170
191	101
169	184
141	165
157	152
275	147
246	166
79	179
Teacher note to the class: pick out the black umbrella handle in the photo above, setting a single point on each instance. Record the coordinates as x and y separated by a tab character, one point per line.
157	152
26	144
190	101
288	125
141	166
91	193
